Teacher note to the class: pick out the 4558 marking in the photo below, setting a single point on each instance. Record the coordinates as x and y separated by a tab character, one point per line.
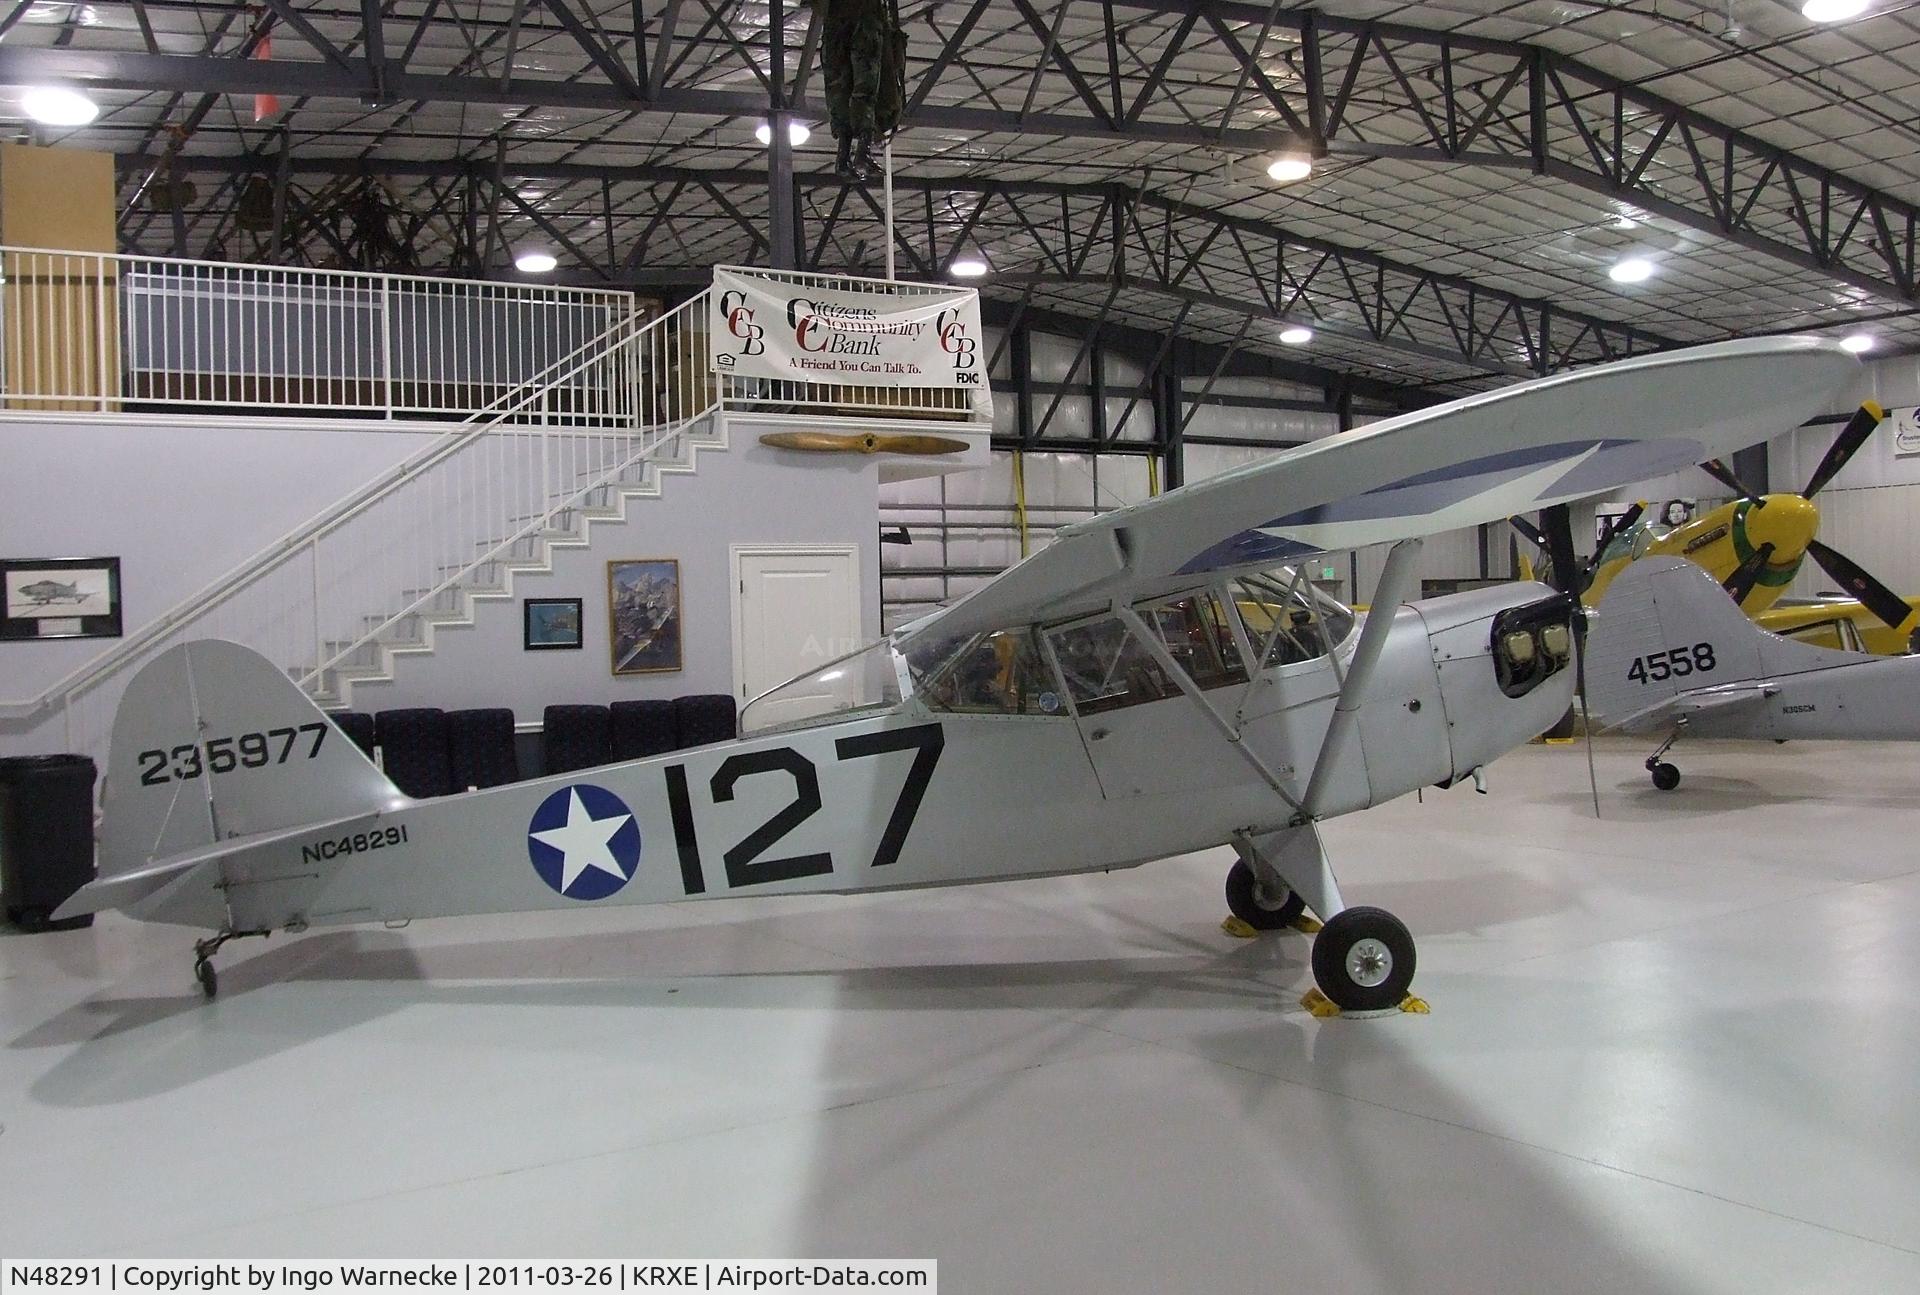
1676	663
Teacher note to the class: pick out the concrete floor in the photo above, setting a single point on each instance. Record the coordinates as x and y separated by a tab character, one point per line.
1675	1050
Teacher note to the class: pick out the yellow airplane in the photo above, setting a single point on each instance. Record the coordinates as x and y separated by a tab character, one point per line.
1754	547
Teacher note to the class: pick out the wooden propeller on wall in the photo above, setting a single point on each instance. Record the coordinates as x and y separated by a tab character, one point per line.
863	443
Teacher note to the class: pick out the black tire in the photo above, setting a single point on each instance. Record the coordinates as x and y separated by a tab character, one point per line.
31	918
209	978
1665	776
1244	893
1385	949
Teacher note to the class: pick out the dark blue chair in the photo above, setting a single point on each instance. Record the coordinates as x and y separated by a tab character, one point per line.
414	751
705	717
575	737
357	725
644	728
480	745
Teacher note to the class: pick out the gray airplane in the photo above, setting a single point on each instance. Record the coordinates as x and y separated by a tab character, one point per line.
1668	651
1159	680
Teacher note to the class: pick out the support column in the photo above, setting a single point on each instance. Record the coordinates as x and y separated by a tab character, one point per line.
781	254
1173	424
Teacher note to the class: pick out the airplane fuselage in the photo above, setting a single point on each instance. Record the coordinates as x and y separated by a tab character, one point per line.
911	796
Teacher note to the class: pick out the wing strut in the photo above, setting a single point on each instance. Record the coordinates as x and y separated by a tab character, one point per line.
1396	582
1157	648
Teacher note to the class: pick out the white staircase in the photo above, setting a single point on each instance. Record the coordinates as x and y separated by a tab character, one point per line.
386	636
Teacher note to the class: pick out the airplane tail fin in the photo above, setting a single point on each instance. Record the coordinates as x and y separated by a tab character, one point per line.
211	742
1664	628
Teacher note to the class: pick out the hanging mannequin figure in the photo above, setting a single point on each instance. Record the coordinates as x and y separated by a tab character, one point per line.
863	57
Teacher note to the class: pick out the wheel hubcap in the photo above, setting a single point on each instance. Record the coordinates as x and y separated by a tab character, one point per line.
1369	962
1274	898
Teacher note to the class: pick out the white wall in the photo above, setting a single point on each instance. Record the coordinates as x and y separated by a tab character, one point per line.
179	502
182	502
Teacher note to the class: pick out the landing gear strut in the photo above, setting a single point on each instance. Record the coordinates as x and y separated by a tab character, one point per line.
203	951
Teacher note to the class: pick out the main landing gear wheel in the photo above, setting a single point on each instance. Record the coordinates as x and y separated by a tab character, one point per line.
1259	905
1665	776
1363	960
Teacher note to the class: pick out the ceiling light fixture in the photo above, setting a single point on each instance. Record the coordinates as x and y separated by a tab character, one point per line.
1296	335
1832	10
56	105
1858	343
1635	269
968	267
535	262
798	132
1289	167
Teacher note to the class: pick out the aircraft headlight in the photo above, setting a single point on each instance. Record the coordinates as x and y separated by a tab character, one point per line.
1556	641
1518	647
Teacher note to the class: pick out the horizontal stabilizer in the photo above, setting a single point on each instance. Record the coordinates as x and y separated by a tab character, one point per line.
127	890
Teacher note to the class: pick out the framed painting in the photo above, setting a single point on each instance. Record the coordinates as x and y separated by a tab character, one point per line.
61	598
643	613
551	624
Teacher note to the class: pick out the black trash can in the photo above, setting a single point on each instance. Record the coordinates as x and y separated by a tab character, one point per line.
46	837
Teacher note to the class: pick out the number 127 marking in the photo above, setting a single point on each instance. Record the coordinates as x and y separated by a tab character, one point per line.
745	863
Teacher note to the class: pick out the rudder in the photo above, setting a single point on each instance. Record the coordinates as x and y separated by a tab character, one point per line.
1661	619
212	742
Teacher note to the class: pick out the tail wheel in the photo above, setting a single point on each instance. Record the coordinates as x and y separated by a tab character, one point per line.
1363	960
1665	776
1259	905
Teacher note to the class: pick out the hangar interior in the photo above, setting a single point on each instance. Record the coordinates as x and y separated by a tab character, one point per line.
349	331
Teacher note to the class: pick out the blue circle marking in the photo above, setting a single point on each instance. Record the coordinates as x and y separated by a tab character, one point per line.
584	842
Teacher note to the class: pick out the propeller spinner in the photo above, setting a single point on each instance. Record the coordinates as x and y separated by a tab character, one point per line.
1789	512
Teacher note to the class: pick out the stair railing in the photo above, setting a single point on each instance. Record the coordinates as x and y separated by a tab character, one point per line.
434	519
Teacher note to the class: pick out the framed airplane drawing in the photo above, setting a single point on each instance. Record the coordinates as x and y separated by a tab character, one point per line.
643	611
61	598
550	624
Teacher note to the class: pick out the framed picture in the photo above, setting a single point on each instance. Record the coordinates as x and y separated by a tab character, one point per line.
550	624
643	611
61	598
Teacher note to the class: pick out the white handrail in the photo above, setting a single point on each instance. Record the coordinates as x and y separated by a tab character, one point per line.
331	518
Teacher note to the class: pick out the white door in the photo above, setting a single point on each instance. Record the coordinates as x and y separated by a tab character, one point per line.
795	608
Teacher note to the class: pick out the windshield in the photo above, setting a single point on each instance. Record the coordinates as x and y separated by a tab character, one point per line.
1288	617
863	680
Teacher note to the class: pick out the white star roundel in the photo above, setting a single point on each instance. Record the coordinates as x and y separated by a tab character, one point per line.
584	842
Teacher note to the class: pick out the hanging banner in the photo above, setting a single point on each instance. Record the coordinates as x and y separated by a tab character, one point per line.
762	327
1906	430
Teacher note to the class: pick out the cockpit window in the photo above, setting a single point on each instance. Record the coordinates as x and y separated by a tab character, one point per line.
1289	618
1196	634
1001	673
863	680
1107	667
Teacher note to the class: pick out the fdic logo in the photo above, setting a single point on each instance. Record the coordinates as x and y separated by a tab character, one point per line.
954	341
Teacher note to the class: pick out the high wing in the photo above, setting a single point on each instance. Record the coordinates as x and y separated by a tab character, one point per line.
1475	460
